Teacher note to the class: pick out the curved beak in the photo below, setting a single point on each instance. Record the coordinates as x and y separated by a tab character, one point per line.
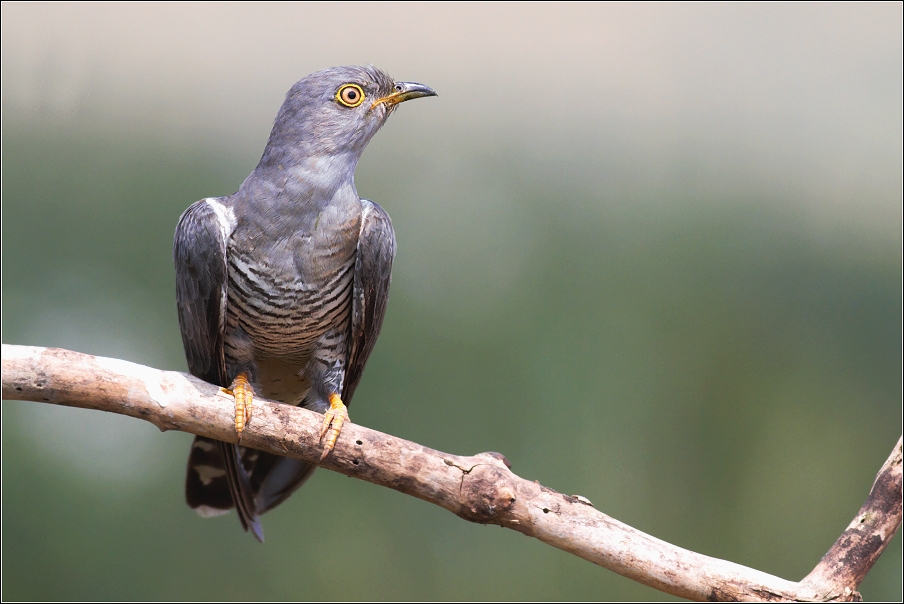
404	91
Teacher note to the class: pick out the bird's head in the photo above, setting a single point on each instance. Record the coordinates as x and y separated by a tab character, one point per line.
336	112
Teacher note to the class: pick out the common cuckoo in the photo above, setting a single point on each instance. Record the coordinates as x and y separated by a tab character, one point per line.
281	287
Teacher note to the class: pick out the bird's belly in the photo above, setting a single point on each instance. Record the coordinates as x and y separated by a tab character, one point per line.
282	381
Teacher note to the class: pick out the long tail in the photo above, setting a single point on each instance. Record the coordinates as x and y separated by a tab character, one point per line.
216	481
222	476
240	489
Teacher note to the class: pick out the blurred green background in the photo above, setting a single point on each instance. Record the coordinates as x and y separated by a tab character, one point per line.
650	253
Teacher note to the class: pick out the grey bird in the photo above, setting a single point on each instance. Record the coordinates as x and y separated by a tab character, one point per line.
282	286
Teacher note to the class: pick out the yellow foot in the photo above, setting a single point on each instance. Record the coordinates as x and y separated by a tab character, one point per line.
334	418
244	399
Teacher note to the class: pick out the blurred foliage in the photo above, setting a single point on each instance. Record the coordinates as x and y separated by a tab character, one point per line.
708	368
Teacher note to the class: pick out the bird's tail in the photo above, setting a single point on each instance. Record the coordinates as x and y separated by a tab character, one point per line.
216	481
221	474
240	489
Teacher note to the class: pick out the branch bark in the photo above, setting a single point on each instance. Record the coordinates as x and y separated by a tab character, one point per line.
479	488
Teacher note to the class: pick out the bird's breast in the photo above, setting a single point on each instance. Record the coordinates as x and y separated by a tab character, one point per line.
286	291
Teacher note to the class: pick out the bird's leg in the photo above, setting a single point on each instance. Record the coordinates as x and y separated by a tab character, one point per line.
334	418
243	394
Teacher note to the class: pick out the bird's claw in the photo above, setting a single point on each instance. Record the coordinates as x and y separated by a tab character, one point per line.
243	394
333	420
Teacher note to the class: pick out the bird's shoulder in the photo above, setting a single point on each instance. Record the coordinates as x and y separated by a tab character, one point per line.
209	221
376	225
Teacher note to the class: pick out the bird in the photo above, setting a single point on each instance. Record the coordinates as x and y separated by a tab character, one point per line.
281	287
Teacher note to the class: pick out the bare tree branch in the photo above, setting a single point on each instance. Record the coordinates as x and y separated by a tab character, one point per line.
860	545
480	488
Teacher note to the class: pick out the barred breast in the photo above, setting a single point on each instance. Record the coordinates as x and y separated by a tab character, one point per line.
285	318
282	313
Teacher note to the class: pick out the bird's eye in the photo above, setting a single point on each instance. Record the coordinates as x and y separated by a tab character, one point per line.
350	95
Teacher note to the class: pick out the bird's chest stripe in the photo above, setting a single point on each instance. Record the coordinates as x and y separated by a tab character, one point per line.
286	314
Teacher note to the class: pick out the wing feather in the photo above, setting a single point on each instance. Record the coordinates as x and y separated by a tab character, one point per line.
199	252
373	268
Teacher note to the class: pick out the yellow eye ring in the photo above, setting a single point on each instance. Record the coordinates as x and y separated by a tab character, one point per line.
350	95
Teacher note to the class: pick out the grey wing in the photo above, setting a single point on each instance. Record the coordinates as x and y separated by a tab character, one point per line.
373	267
199	252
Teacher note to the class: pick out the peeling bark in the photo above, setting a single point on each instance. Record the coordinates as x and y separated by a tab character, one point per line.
479	488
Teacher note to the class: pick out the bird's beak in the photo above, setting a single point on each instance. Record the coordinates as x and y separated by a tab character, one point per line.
404	91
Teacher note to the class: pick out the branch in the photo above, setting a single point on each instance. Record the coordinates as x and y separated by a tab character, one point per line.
480	488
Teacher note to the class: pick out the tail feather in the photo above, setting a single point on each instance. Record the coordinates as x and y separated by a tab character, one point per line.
206	486
221	474
240	489
275	478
